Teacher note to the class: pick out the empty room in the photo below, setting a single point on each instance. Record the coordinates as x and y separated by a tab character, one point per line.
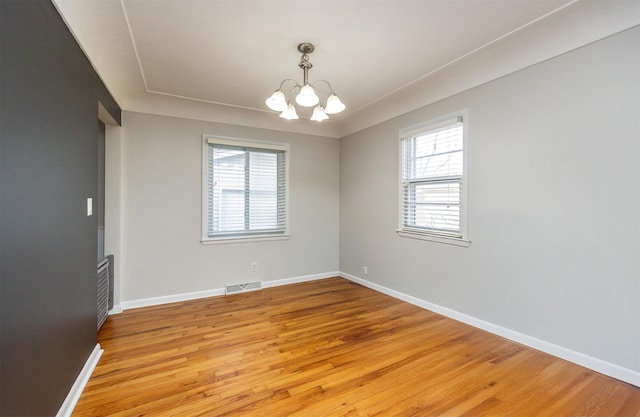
320	208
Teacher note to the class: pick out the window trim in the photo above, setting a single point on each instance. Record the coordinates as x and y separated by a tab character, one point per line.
437	236
243	238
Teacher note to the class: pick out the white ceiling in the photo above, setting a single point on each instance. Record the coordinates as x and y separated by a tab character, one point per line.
220	59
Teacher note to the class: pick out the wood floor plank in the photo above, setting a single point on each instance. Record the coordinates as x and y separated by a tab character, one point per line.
329	348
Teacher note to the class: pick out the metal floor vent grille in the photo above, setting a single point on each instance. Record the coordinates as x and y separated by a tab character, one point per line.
104	271
237	288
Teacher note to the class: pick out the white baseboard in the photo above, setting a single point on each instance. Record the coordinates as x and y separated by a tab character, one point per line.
295	280
166	299
81	381
117	309
595	364
147	302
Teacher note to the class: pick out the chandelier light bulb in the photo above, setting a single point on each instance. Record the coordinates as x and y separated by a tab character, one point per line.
277	101
289	113
334	105
319	114
307	96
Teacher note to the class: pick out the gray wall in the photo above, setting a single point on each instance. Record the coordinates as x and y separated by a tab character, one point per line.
48	245
161	169
554	204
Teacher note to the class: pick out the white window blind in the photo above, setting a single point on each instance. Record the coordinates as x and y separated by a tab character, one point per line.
432	179
246	190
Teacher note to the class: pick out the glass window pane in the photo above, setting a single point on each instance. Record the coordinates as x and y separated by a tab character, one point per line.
247	190
439	142
432	170
435	217
437	193
228	190
443	165
231	211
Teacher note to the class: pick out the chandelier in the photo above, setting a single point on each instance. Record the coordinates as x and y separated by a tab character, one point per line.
305	95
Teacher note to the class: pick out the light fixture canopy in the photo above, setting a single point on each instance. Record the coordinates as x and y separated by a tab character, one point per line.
306	93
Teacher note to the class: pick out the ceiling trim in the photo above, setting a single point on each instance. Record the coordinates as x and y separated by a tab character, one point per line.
561	31
466	55
573	25
135	47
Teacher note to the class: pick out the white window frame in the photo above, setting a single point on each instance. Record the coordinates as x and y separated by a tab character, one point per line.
415	233
248	237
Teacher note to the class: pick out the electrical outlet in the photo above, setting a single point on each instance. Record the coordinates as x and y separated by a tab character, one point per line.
254	266
365	269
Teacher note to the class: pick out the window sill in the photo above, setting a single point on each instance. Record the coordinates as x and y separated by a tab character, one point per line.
242	239
435	238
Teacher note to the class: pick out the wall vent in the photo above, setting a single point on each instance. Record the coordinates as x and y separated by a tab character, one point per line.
105	289
247	286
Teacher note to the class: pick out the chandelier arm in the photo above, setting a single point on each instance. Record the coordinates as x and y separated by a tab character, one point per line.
292	88
285	80
291	91
325	81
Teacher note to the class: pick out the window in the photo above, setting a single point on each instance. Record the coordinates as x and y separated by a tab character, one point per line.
433	181
244	189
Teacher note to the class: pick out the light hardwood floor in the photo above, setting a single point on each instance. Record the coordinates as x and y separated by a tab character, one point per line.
329	348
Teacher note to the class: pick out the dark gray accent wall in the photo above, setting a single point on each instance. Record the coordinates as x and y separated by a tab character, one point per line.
48	245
